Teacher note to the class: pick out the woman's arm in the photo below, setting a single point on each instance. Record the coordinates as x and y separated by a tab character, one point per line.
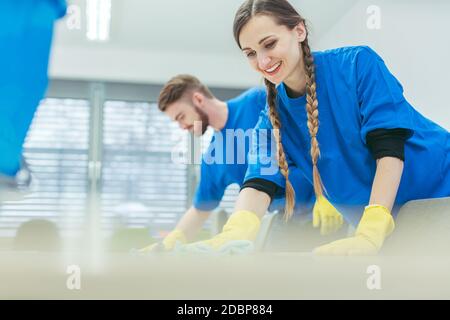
377	222
250	199
245	221
386	182
192	221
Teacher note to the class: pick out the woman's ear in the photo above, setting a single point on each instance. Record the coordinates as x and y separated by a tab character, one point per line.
300	30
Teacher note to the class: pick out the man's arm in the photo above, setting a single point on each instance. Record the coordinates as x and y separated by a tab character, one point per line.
185	231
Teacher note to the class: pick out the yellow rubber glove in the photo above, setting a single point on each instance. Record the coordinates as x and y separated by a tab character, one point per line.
242	225
326	216
168	243
375	225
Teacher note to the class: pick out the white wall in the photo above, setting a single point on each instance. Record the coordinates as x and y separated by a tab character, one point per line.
151	42
413	40
137	65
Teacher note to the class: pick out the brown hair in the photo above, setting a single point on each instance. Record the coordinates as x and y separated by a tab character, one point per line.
177	87
284	14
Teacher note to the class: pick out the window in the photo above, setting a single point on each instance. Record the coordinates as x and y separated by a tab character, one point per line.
145	180
56	150
141	184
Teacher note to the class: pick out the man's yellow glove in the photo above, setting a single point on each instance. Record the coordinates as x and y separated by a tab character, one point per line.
326	216
168	243
242	225
375	225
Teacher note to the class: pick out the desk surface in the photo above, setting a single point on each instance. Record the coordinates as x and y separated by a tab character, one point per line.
258	276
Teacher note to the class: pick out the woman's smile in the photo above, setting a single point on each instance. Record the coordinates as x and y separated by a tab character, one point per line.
272	71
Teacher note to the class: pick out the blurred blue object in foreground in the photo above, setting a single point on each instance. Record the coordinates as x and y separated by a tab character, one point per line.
26	29
16	187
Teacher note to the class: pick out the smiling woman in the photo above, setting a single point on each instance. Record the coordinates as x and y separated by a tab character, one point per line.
277	49
275	53
373	143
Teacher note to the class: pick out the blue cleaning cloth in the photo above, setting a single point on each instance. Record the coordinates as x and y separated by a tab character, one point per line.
235	247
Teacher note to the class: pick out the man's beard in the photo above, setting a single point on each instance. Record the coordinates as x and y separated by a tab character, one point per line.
203	119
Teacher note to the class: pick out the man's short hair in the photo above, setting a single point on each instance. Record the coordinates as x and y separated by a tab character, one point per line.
177	87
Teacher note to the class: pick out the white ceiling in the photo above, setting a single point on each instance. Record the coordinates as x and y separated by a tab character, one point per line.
203	26
153	40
